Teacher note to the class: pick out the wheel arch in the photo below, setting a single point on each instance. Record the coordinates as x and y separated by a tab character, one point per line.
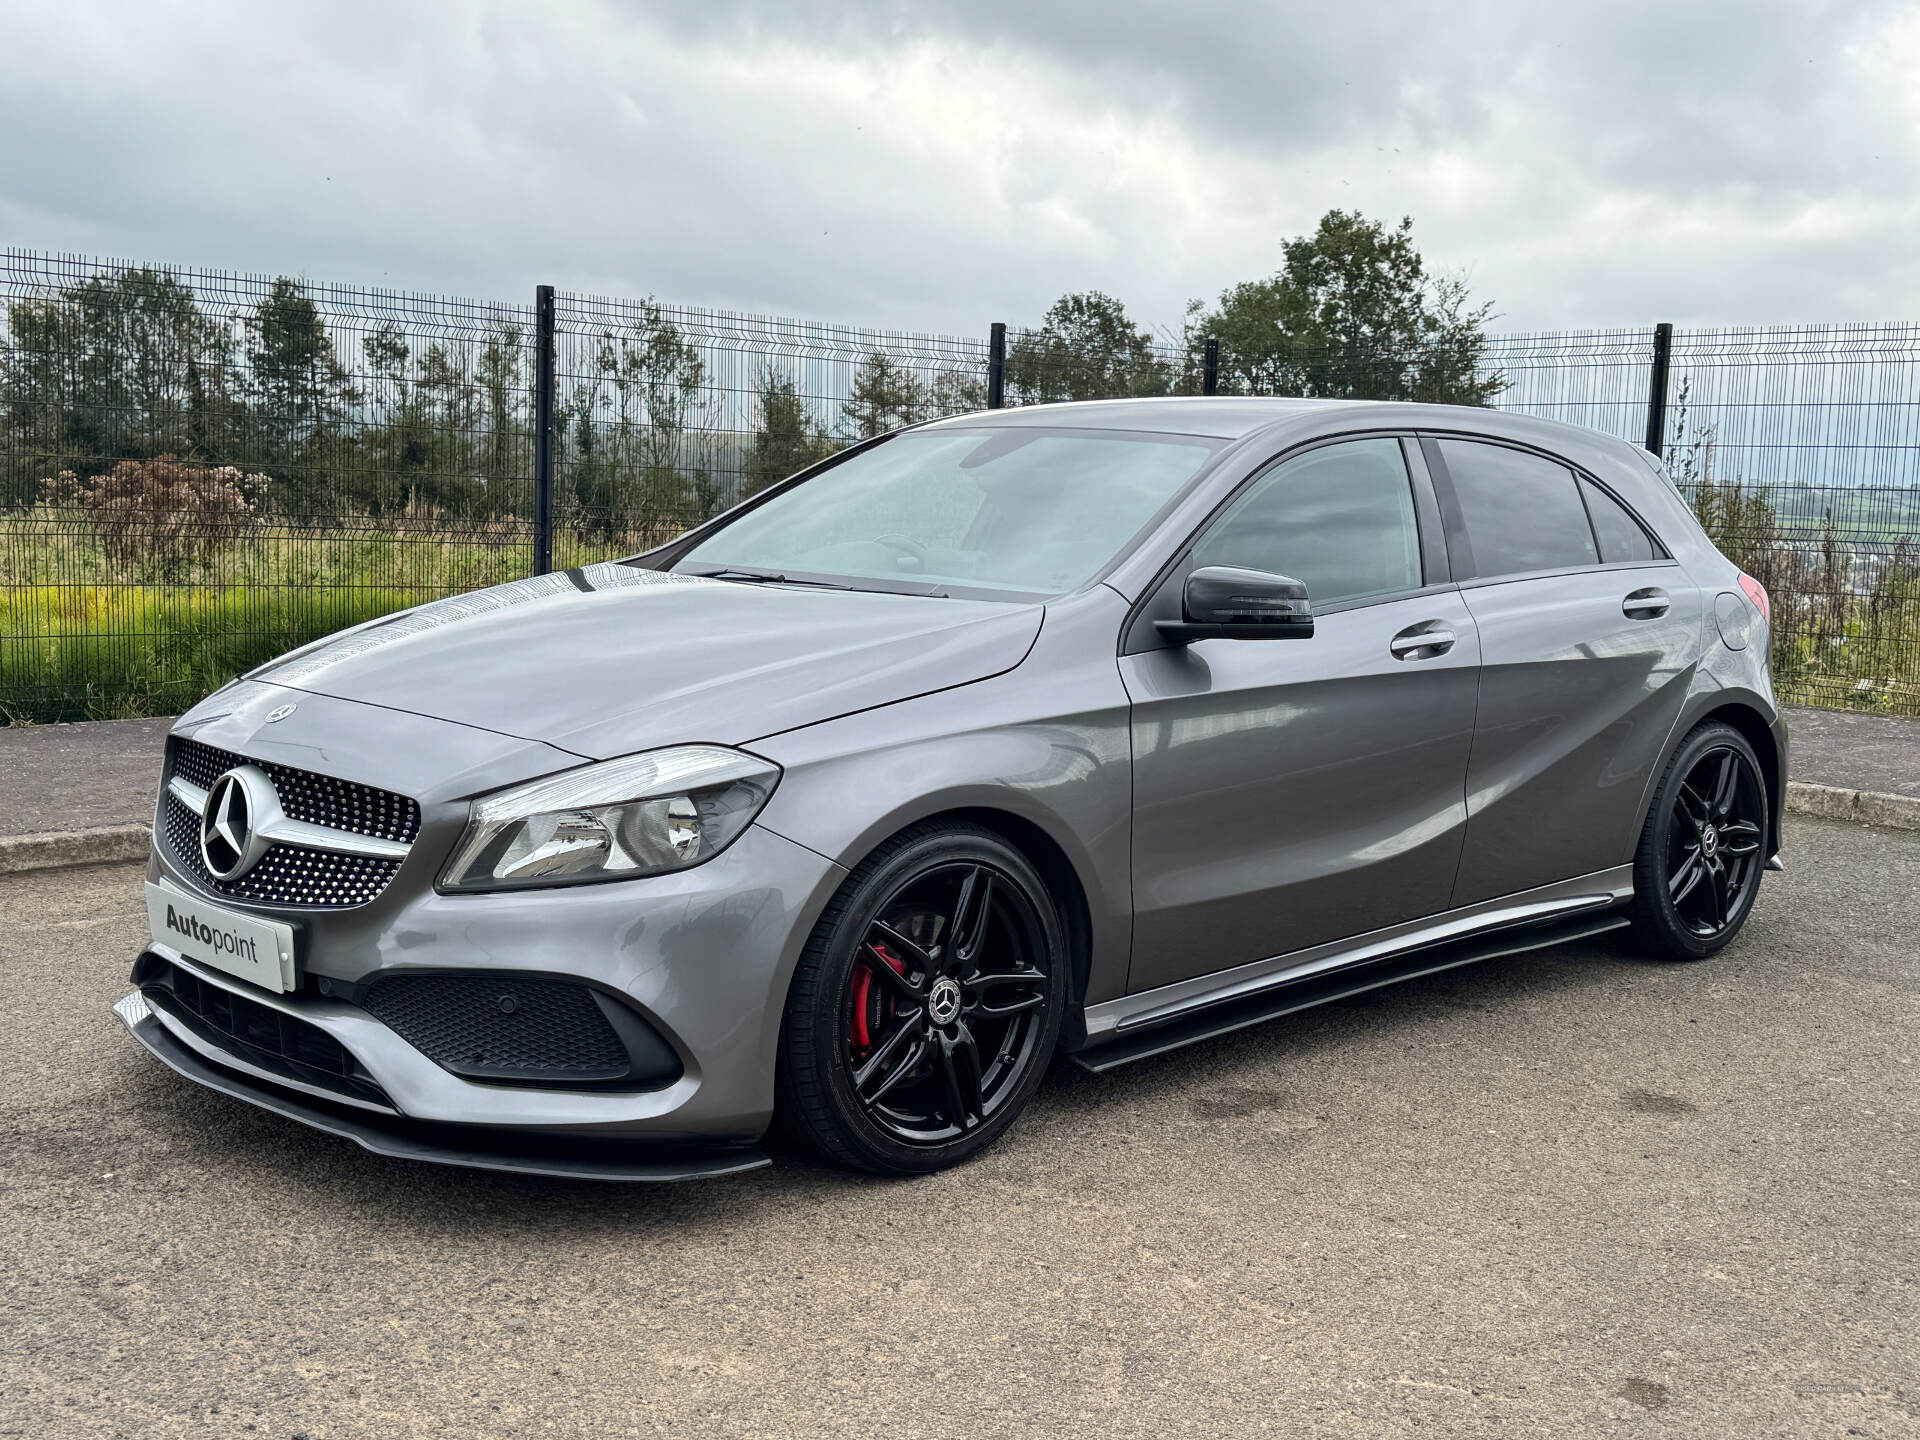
1750	716
1069	896
1057	872
1758	733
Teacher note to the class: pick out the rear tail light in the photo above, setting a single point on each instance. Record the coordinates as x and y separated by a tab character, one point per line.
1757	593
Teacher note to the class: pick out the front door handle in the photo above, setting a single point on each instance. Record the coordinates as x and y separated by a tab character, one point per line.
1422	641
1648	604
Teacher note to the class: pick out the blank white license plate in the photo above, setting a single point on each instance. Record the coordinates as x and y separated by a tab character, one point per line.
243	945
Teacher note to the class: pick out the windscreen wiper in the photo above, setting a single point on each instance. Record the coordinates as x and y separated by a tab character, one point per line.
765	577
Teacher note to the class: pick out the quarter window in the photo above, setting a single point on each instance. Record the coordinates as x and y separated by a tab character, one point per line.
1521	512
1620	536
1339	518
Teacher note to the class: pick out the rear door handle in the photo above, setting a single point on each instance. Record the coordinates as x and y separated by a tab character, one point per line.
1422	641
1648	604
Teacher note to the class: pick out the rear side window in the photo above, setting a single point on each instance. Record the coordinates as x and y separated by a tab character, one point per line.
1621	538
1521	512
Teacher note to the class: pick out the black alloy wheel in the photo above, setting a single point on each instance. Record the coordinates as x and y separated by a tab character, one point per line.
1703	849
927	1005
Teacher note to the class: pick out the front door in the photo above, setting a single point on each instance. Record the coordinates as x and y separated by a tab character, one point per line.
1290	792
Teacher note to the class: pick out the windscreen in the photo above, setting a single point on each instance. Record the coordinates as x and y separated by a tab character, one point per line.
1036	512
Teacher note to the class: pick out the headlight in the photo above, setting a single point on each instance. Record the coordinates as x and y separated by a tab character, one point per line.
639	815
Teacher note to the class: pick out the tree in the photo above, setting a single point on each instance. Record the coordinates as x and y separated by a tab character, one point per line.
1353	313
506	447
301	393
297	379
884	396
122	365
788	438
387	352
955	392
398	449
452	429
1087	348
633	426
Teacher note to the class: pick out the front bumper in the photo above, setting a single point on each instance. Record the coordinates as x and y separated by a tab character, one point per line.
704	955
477	1148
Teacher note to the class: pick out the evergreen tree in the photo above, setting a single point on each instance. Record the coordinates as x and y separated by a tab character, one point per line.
884	396
300	393
787	439
298	381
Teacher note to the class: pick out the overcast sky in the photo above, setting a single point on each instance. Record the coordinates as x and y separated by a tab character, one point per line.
940	166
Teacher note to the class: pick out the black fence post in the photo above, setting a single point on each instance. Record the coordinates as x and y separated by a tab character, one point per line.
1657	389
997	366
1210	367
543	430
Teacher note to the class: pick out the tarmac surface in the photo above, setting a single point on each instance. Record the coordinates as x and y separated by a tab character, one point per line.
1571	1193
79	777
1855	751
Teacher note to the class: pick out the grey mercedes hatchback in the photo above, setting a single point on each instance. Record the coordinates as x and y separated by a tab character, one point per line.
1092	729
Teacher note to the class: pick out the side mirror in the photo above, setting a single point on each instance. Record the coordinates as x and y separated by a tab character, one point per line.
1224	602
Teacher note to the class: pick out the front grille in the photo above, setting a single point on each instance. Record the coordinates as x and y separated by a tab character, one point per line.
286	874
293	875
271	1039
316	799
520	1028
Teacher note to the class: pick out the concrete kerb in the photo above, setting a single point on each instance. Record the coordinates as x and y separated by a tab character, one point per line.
63	848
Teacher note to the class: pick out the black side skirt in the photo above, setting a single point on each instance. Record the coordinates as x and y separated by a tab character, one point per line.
1203	1024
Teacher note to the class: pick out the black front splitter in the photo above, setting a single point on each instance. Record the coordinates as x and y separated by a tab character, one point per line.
460	1145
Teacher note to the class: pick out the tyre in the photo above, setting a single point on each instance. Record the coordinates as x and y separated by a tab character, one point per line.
926	1006
1703	846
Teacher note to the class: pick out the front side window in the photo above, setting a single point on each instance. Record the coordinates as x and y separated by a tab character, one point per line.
1025	510
1522	512
1339	518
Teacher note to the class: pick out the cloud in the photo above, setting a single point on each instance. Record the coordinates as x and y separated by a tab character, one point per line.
940	167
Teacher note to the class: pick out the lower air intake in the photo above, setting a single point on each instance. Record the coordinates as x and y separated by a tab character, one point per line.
267	1038
526	1030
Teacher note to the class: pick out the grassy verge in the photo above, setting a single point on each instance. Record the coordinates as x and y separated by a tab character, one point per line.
83	637
105	652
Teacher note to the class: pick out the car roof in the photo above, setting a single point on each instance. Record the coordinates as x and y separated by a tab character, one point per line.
1226	417
1234	417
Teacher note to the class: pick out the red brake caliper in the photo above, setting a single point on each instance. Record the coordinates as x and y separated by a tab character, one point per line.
863	994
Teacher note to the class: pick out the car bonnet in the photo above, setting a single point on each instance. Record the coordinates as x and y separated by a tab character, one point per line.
610	659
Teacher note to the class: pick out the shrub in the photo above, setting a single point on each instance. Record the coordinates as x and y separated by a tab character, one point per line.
157	517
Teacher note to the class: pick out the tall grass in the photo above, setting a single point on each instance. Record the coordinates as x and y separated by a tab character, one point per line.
107	651
85	637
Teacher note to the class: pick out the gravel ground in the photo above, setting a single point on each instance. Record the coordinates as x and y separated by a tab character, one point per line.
1571	1193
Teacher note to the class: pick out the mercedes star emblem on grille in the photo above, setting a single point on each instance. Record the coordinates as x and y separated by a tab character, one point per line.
229	839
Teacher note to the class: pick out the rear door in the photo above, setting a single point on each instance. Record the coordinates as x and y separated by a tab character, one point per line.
1289	792
1588	637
